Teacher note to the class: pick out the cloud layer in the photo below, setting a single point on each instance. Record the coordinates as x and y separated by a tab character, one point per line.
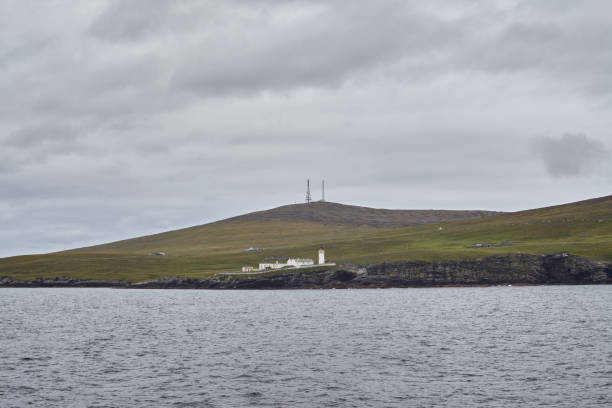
571	155
124	118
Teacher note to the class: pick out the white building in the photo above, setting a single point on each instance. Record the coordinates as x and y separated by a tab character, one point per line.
291	262
267	266
299	262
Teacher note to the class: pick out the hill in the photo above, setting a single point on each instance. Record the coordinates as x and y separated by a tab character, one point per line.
335	213
291	225
582	228
350	234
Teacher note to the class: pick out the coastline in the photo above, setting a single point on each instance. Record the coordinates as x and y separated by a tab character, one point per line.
514	269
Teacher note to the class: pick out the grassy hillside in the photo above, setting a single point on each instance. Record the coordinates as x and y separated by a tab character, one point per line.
283	227
583	228
335	213
230	237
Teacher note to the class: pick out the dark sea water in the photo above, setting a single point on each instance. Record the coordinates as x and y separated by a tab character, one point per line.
457	347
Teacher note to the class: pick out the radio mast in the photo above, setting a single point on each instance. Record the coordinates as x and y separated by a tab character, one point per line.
308	198
322	191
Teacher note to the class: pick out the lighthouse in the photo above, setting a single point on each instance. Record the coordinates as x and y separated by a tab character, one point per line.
321	256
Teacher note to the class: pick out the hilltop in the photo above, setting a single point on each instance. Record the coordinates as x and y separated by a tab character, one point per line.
350	234
335	213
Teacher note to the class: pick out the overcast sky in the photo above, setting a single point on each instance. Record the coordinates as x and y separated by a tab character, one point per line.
124	118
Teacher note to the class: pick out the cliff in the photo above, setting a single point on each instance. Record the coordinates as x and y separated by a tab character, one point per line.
502	269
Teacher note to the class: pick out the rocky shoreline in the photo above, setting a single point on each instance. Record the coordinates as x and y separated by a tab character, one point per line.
494	270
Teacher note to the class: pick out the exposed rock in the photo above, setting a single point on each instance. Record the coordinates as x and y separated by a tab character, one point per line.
515	268
501	269
59	282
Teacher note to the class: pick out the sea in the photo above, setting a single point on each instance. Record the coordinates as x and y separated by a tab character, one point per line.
529	346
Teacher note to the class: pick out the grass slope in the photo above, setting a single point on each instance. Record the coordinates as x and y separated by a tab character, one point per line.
583	228
335	213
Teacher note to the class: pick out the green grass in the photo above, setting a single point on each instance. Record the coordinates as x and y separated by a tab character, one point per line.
583	228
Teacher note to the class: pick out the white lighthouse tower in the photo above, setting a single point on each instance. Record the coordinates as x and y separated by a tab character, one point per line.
321	255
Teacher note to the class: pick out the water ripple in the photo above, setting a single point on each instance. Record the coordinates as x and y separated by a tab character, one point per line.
489	347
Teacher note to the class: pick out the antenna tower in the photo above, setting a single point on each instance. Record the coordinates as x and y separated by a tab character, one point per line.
322	191
308	198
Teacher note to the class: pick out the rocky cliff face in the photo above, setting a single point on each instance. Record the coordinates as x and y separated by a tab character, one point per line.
503	269
516	268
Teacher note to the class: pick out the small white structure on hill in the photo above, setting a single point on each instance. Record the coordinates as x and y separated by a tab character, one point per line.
321	255
251	249
247	269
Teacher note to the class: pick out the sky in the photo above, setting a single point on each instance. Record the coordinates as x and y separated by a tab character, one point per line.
125	118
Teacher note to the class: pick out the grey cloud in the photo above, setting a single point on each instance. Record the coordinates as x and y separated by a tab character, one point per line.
321	51
134	20
41	134
8	163
142	71
344	40
140	116
38	143
570	154
579	53
341	41
139	19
